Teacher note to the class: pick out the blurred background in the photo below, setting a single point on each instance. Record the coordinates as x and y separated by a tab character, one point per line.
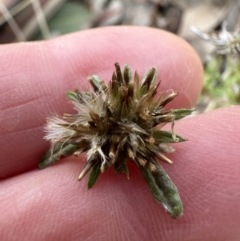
216	36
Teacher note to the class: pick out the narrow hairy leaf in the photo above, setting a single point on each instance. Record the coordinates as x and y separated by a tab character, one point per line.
55	153
163	190
166	137
181	113
95	172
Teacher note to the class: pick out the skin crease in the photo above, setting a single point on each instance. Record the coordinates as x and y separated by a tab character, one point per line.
51	205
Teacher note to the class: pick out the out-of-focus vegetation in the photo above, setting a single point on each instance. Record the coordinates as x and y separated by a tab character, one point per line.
221	89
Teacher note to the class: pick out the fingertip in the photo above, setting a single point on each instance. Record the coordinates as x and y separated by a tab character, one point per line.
95	52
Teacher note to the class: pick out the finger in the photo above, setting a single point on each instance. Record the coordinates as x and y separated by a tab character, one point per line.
51	204
37	75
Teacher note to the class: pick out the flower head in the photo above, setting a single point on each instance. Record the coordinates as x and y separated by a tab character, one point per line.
117	123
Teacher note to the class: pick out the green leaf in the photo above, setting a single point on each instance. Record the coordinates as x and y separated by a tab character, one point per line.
72	95
181	113
95	172
166	137
55	154
163	190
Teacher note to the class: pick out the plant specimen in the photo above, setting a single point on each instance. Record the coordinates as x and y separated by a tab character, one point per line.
119	122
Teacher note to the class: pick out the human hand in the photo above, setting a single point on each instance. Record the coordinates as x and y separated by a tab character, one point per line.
51	204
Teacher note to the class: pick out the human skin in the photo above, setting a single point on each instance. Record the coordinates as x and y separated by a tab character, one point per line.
51	204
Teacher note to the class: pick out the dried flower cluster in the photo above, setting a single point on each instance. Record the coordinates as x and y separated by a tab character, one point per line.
116	123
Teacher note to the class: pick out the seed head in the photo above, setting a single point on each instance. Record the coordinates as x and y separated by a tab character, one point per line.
117	123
